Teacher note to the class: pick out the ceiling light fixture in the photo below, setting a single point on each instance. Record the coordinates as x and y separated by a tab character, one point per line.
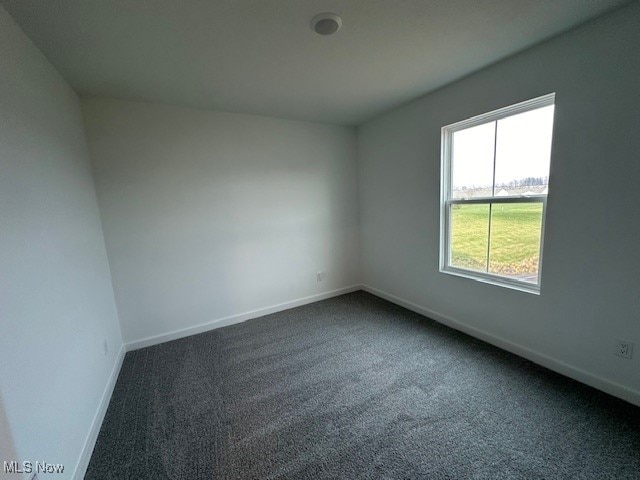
326	23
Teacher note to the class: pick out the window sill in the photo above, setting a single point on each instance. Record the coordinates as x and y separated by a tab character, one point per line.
493	280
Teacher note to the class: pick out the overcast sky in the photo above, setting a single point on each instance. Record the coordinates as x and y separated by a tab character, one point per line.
524	149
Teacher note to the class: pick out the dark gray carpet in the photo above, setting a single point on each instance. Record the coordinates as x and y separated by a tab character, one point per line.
355	387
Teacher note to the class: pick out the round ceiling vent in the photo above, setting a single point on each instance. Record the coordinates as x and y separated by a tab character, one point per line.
326	23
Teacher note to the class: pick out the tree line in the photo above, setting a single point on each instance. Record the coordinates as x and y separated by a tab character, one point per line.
525	182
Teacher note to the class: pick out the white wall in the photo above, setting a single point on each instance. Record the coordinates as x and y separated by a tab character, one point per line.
56	301
590	280
208	215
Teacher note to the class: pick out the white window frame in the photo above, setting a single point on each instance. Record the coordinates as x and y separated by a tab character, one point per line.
447	200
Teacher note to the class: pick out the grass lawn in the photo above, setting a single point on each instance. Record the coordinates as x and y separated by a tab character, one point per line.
515	237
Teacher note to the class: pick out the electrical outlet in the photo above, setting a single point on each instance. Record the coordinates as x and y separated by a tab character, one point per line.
105	346
320	276
623	348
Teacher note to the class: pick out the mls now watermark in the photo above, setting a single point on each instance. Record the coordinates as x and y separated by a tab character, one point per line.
31	467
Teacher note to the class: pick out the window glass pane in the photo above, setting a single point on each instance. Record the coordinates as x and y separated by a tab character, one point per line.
515	240
523	152
472	161
469	236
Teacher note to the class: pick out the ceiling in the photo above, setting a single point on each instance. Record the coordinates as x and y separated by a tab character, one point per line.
261	56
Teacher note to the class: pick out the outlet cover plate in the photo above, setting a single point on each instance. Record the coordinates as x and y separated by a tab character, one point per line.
623	349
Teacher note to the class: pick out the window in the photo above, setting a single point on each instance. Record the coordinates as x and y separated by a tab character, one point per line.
495	175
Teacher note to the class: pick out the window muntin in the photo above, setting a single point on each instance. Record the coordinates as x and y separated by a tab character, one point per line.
495	171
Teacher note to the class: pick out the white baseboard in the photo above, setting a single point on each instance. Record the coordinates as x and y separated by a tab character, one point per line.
238	318
90	441
612	388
